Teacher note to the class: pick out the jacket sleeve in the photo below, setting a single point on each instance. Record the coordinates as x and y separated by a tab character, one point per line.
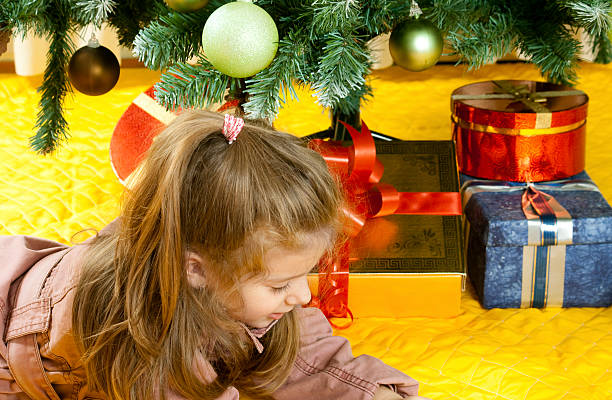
326	367
17	255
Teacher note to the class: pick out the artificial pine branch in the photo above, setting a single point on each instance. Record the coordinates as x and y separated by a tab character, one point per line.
478	32
449	14
484	42
51	124
342	69
334	16
175	37
544	36
378	15
557	59
353	101
592	15
192	86
95	12
25	16
130	16
603	48
595	17
311	51
20	10
5	11
269	88
332	56
288	13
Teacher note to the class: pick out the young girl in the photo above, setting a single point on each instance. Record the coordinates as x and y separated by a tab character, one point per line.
195	291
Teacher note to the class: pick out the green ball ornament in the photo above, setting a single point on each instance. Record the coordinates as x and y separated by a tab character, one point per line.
240	39
186	5
416	44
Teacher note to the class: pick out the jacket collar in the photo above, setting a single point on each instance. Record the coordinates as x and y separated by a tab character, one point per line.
257	333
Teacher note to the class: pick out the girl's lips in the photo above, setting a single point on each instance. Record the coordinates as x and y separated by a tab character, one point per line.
277	315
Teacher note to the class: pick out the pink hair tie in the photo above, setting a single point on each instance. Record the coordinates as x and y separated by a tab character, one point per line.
232	127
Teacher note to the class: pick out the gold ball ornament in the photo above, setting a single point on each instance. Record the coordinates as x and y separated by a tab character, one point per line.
240	39
186	5
416	44
93	69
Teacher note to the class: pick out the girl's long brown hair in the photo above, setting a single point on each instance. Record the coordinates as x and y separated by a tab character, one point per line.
142	328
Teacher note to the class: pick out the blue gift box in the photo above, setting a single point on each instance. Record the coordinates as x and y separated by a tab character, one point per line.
508	271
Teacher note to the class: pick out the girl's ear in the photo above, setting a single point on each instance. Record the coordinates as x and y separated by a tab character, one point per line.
194	266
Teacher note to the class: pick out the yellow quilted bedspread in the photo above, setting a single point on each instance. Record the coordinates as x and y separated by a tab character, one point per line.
481	354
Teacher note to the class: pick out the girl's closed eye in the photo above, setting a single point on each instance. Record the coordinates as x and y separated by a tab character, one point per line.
280	289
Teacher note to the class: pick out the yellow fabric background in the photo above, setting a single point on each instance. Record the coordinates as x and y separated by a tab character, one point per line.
481	354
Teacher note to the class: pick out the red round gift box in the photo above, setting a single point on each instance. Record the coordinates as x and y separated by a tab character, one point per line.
504	139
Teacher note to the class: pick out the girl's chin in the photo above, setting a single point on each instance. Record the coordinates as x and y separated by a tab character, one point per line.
264	322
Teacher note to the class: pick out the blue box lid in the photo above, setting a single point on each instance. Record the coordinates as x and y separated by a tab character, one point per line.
499	219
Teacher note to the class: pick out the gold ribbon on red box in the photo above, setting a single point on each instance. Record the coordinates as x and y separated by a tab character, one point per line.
520	131
360	173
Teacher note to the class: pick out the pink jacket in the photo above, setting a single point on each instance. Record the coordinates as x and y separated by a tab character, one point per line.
39	359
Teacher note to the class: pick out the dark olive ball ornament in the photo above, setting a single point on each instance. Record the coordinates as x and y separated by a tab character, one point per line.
186	5
416	44
93	69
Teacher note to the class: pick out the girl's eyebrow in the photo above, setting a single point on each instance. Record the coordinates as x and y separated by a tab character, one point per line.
274	279
284	279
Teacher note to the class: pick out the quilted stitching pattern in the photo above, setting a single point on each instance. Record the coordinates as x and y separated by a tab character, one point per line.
497	354
481	354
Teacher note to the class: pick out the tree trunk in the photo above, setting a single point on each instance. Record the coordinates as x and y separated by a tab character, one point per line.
338	131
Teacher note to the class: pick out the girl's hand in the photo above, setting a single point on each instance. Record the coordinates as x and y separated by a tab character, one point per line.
384	393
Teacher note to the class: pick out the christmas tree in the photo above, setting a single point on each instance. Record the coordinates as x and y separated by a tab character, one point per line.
321	43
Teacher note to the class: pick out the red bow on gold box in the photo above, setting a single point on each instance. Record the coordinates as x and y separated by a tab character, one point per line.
360	173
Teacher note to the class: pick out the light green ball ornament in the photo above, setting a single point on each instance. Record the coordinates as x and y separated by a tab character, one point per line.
416	44
240	39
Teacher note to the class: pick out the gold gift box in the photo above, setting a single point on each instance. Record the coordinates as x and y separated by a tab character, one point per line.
409	265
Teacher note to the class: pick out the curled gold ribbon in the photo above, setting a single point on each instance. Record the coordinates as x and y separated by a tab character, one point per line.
520	93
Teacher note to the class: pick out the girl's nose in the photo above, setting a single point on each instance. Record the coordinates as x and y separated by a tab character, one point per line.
300	294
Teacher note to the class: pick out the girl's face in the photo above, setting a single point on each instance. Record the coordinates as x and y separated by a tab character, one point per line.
285	287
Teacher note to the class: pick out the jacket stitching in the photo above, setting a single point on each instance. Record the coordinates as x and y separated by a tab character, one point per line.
28	324
45	290
46	306
341	371
348	375
311	371
75	389
44	344
57	297
41	368
40	303
349	382
335	372
29	328
48	282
